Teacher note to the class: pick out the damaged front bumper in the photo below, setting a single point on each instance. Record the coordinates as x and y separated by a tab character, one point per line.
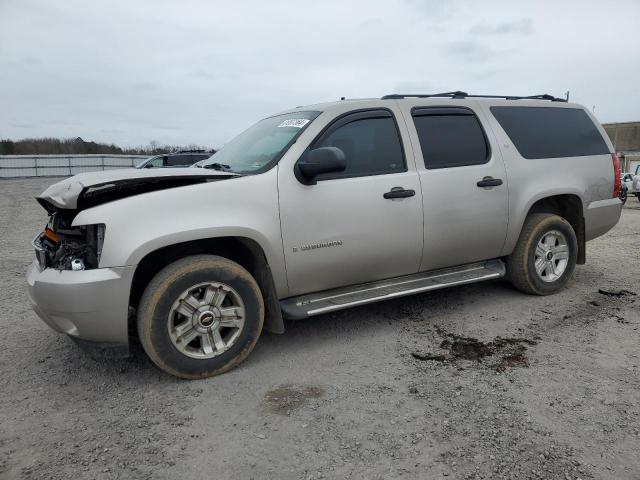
86	305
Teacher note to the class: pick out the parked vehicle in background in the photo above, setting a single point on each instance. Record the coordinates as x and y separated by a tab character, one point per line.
632	182
183	158
322	208
627	179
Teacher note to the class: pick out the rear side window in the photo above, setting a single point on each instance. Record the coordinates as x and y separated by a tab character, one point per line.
450	137
177	160
550	132
371	145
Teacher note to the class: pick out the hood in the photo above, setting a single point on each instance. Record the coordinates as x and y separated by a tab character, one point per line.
89	189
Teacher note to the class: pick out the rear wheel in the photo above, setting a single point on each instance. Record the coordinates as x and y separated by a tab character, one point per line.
200	316
545	255
623	196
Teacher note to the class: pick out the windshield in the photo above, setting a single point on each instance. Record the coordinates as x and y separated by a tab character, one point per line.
261	144
156	161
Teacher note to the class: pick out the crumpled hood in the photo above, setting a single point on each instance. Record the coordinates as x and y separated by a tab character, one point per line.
93	188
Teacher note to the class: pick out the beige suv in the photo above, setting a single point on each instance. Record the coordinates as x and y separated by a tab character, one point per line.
321	208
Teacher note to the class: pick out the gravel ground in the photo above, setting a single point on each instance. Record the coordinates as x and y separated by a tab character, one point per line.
478	381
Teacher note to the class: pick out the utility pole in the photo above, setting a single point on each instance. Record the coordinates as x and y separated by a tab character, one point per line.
567	95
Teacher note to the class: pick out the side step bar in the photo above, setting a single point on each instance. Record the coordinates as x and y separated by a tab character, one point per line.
295	308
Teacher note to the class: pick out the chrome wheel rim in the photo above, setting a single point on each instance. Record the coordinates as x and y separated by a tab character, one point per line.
552	256
206	320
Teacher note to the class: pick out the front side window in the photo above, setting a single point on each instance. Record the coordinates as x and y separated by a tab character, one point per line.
371	145
450	137
261	145
154	162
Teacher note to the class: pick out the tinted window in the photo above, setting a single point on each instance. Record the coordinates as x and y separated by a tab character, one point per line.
371	146
549	132
178	160
450	139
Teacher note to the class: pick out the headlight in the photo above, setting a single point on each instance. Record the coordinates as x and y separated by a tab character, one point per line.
69	248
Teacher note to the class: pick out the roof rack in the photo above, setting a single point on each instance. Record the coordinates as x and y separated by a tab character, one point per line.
459	94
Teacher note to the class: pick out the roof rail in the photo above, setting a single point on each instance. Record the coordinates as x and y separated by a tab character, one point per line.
459	94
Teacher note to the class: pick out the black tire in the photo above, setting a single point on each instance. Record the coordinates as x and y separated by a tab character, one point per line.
623	196
166	287
521	269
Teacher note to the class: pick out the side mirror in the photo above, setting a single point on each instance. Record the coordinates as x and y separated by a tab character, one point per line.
318	161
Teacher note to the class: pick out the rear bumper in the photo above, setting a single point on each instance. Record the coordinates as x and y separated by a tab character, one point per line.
601	216
87	305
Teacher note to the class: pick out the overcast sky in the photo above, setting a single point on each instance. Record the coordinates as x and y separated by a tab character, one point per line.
182	72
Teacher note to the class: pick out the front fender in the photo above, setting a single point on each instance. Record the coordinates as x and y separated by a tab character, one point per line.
245	207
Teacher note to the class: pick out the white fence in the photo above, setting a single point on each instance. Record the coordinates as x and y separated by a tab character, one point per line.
62	165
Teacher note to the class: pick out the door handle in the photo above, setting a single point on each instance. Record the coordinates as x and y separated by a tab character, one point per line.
489	182
399	192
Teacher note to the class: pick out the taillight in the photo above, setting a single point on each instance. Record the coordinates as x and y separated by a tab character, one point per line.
617	175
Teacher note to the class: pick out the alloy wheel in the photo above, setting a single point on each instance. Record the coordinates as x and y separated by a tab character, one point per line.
206	320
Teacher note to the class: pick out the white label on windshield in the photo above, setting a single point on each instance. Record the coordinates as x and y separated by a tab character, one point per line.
294	122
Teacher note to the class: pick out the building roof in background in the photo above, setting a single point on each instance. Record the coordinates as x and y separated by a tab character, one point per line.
625	136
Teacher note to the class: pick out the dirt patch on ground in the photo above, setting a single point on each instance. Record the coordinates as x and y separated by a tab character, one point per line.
286	398
505	352
616	292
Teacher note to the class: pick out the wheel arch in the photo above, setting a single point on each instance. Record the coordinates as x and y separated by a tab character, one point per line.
567	205
242	250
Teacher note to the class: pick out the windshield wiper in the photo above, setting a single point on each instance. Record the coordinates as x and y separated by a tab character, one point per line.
220	167
217	166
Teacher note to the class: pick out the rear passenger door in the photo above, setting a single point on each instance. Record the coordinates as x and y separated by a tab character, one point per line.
464	185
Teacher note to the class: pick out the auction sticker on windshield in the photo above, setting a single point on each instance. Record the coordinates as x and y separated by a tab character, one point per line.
294	122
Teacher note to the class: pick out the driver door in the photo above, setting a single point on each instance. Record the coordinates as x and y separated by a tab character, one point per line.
349	227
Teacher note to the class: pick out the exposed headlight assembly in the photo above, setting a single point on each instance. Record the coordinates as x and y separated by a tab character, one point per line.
69	248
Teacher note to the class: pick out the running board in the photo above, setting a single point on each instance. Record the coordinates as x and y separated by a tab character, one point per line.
295	308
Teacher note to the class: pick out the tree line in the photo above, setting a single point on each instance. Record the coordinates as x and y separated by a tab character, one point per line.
70	146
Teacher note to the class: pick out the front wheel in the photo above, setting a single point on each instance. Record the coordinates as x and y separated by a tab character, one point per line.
200	316
545	255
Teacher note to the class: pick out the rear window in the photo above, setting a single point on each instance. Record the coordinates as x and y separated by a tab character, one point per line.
550	132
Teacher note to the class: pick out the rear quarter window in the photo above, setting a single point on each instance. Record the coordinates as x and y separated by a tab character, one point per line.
550	132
